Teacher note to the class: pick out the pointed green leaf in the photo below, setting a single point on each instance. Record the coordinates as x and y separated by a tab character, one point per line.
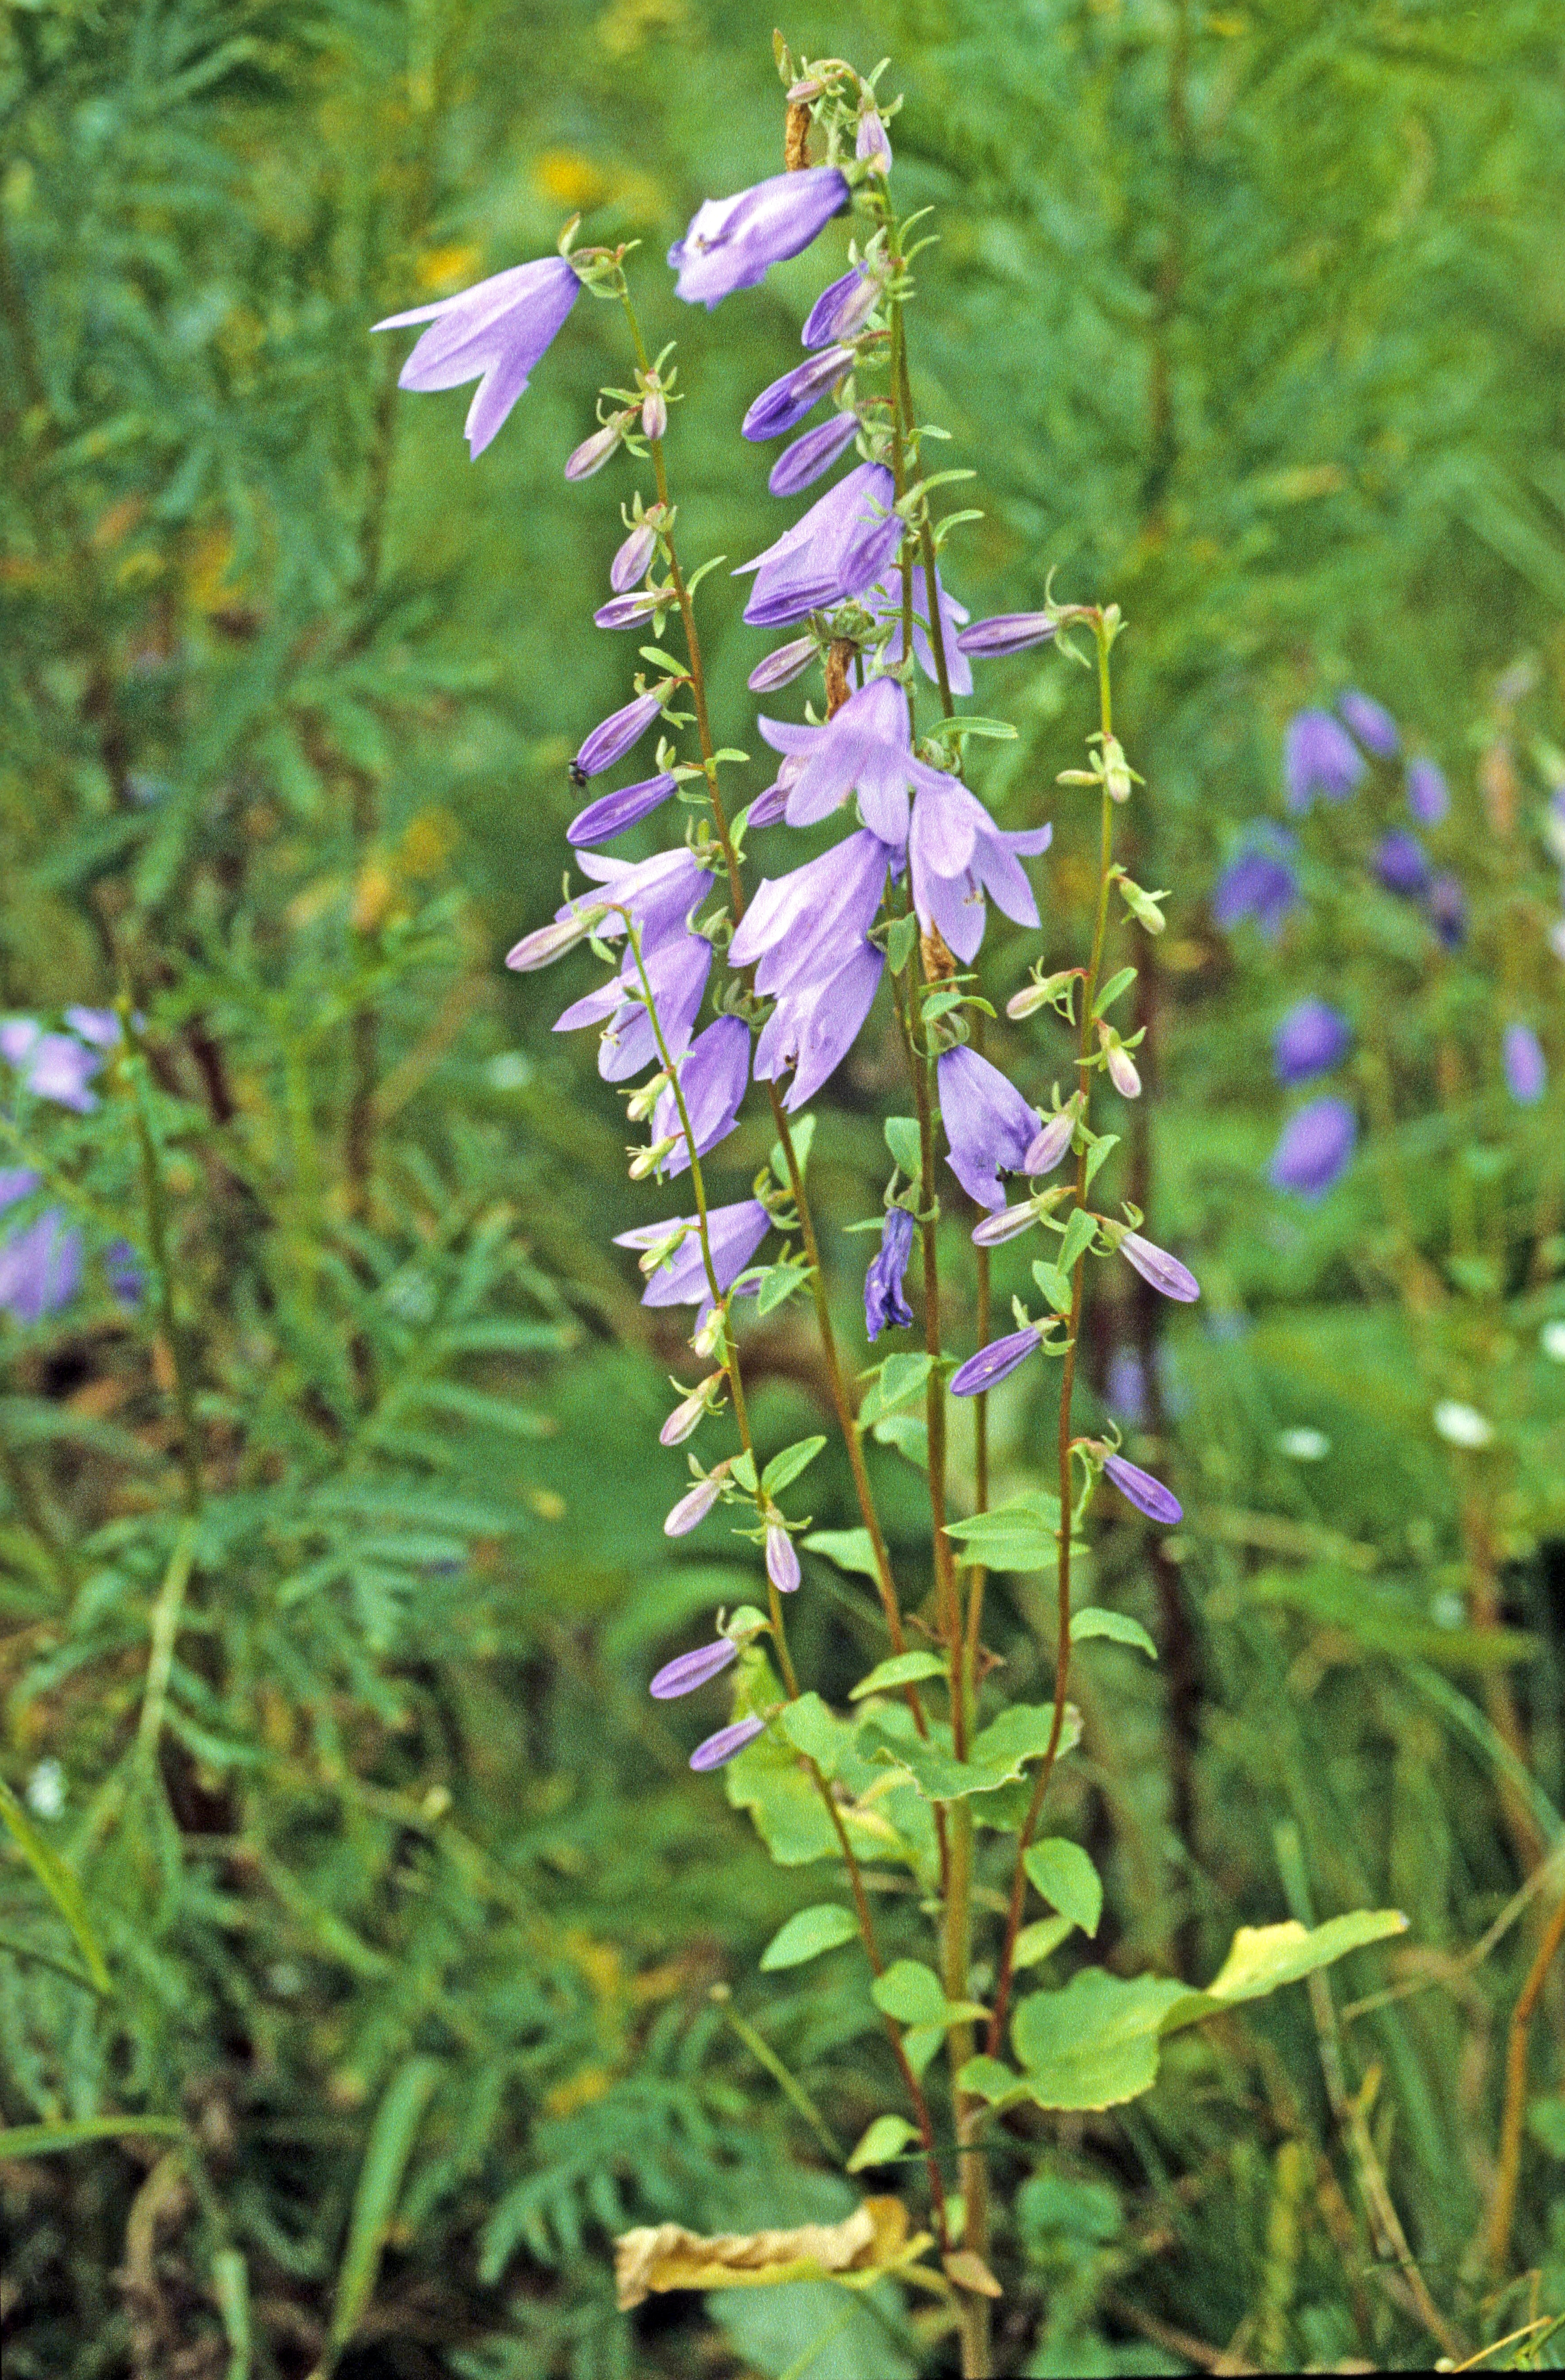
807	1935
886	2138
900	943
784	1468
1080	1232
42	2140
801	1132
1105	1144
1039	1941
1264	1958
390	2145
743	1473
1092	1620
897	1381
1063	1874
57	1881
1055	1286
902	1139
902	1670
778	1283
850	1550
1021	1535
1111	990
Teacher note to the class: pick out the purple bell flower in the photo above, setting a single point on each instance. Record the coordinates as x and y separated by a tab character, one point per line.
867	749
612	813
841	310
1260	884
682	1675
1527	1069
723	1746
1007	632
1053	1139
887	605
814	1026
1448	909
493	332
804	926
834	551
1400	864
614	736
784	404
1311	1040
736	1233
677	970
1139	1487
992	1364
634	559
1428	795
781	667
731	242
1165	1274
1316	1148
949	888
713	1078
883	1299
989	1126
1319	756
799	466
99	1026
782	1560
1371	723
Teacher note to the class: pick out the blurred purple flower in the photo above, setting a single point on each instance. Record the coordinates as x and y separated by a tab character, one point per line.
835	551
1400	864
1319	756
1310	1041
1006	632
726	1742
736	1233
1315	1147
989	1126
731	242
1371	723
783	405
1448	909
53	1066
799	466
682	1675
991	1363
122	1272
713	1079
1259	883
1428	795
99	1026
612	813
1527	1069
1125	1388
884	1301
40	1264
841	308
1139	1487
499	329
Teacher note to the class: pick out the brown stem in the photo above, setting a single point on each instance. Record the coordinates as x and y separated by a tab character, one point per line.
1502	2214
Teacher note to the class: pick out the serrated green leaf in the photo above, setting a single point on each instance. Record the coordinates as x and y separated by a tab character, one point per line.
886	2138
1092	1620
849	1549
996	1755
902	1139
1064	1877
808	1934
784	1468
901	1669
1111	990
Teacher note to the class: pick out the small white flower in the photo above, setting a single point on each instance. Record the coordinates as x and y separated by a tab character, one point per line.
46	1789
1551	1339
1461	1425
1304	1445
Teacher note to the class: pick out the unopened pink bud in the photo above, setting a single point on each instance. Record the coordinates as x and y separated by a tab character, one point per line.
688	1413
654	414
782	1560
632	561
1053	1140
594	452
692	1508
1007	1225
1121	1066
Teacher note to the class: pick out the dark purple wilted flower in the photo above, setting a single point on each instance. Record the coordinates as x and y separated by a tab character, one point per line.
1527	1069
799	466
833	552
1319	756
499	329
841	308
1400	864
989	1126
815	1024
1310	1041
781	667
784	404
1139	1487
731	242
1260	883
1007	632
782	1560
1371	723
728	1740
1165	1274
1315	1147
883	1299
1448	908
614	736
713	1079
991	1363
736	1233
1428	795
682	1675
887	605
612	813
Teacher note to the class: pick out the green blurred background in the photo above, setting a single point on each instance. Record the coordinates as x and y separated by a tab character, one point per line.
1251	318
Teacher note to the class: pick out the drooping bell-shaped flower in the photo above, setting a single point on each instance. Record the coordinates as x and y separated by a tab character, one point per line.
799	466
782	1560
1139	1487
1165	1274
493	332
1311	1040
833	552
992	1364
886	603
677	967
1400	864
1316	1148
867	749
1447	906
723	1746
815	1024
884	1301
731	242
1319	756
1428	795
1371	723
804	926
53	1066
611	814
1527	1069
682	1675
841	308
989	1126
734	1234
712	1082
614	736
783	405
694	1505
958	856
1006	632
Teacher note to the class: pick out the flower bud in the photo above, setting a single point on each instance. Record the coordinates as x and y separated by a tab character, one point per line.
711	1330
613	737
1006	1225
692	1669
693	1507
686	1416
646	1160
634	559
610	814
872	148
654	414
1121	1067
551	942
1054	1139
627	610
799	466
1007	632
653	1259
644	1099
840	310
726	1742
1038	994
782	1560
781	667
1116	772
1139	1487
594	452
1166	1274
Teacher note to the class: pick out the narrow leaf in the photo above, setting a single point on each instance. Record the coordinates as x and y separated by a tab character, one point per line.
392	2136
40	2140
886	2138
58	1882
1111	990
784	1468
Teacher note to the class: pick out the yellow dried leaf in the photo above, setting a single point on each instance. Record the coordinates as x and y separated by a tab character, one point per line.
969	2270
669	2257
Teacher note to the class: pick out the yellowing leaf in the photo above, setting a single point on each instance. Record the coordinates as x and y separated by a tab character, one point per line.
869	2241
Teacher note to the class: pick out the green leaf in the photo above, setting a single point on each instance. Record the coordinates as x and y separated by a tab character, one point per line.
1264	1958
886	2138
778	1283
1054	1284
1092	1620
902	1139
1111	990
1080	1232
817	1731
1066	1878
1545	2121
801	1132
743	1473
1041	1940
42	2139
58	1882
900	944
1101	1147
941	1001
231	2287
390	2145
784	1468
914	1994
850	1550
909	1433
896	1382
767	1781
996	1755
1021	1535
662	662
901	1669
987	2079
952	731
920	2043
807	1935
